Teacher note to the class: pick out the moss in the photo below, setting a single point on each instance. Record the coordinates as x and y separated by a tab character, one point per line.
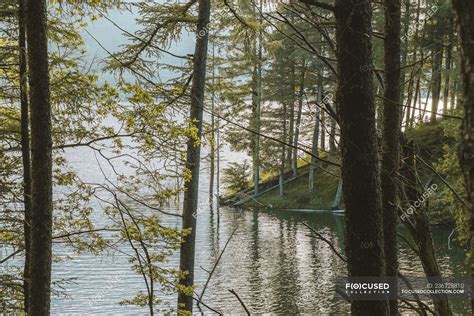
430	139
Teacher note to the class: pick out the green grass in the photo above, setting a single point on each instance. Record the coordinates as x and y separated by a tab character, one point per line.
297	194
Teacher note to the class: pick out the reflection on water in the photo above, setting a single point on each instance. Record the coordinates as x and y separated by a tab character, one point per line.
272	262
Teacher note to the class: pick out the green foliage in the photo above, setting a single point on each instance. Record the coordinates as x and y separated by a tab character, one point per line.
448	207
236	176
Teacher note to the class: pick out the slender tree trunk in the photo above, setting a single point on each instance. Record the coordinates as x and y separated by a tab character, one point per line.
448	62
212	154
314	147
391	139
416	99
185	302
337	198
428	94
25	149
465	20
323	130
298	118
284	136
256	178
452	92
436	78
332	136
404	56
291	128
41	159
360	169
411	120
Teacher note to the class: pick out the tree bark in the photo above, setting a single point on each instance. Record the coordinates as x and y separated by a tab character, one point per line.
298	118
436	73
391	138
332	136
25	149
212	154
283	148
323	130
315	145
418	224
41	158
465	21
291	127
360	169
185	302
448	62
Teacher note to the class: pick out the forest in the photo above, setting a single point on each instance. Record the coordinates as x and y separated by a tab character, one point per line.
245	157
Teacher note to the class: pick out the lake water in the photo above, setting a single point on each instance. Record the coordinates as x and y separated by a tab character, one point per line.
272	262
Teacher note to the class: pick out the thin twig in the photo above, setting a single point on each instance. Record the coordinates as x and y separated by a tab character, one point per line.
241	302
318	235
215	264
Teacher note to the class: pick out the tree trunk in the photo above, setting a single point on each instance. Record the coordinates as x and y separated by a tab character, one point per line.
212	154
391	139
404	55
291	128
417	96
452	93
298	118
337	198
41	158
332	136
283	148
323	130
314	147
416	99
360	170
436	77
25	149
448	62
428	94
418	224
465	20
256	177
185	302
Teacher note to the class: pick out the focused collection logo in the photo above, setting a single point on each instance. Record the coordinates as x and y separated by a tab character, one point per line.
367	288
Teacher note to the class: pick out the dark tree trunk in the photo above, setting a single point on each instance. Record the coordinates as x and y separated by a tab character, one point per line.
391	138
332	136
418	224
404	55
25	148
298	118
41	158
190	201
465	20
360	170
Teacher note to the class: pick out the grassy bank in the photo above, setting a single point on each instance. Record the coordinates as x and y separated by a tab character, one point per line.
297	195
